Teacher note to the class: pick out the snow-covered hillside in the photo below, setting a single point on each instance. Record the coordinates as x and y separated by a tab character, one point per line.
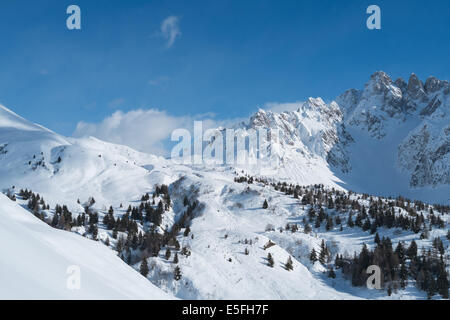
35	258
204	232
66	169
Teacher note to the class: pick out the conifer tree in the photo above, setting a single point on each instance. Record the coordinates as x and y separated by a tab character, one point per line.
289	264
323	252
177	273
265	204
307	228
412	250
144	268
175	258
403	276
350	222
270	260
329	224
331	273
377	239
313	256
168	254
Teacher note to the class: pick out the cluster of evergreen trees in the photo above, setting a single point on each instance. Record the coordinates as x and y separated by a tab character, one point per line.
428	269
135	230
138	245
331	208
324	255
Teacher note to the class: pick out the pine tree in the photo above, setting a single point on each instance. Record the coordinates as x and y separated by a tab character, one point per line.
377	239
177	273
265	204
329	224
400	251
317	223
442	280
323	253
246	252
412	250
270	260
168	254
175	258
94	231
431	288
144	268
403	276
115	233
367	225
313	256
350	222
331	273
307	228
289	264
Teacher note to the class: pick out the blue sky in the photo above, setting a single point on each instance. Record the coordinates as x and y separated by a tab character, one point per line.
229	58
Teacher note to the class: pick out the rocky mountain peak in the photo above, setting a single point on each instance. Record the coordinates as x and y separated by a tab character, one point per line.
415	87
433	84
401	84
379	82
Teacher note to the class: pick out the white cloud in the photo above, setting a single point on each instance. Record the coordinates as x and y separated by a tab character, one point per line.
170	30
280	107
145	130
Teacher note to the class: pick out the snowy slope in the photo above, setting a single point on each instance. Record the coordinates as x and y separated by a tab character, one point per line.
230	219
67	169
34	259
219	234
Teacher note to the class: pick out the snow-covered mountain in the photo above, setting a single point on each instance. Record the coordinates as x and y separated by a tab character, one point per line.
222	222
390	138
65	169
412	116
36	263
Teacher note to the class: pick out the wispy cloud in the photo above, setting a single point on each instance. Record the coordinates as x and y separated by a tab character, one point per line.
170	30
159	81
113	104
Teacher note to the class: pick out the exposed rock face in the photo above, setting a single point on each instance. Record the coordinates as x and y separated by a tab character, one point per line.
413	114
415	88
385	106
